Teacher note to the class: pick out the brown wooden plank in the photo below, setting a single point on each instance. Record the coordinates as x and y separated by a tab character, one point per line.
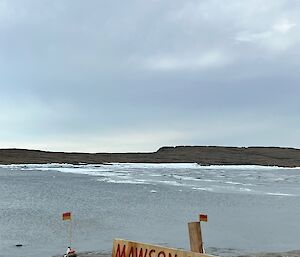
195	234
124	248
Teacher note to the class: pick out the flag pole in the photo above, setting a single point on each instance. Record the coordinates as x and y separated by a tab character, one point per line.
70	233
203	218
67	216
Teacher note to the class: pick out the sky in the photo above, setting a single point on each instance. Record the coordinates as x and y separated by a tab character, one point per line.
132	76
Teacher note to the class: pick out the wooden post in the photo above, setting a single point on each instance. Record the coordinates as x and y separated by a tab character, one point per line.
195	237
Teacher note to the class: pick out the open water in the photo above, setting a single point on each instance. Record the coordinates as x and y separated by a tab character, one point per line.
249	208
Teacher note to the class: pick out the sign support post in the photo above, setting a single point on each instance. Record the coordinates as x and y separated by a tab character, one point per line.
195	234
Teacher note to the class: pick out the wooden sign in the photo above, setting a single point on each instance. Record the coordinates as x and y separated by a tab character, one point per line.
124	248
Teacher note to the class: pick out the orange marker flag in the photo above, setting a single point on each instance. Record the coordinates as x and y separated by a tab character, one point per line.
203	217
66	216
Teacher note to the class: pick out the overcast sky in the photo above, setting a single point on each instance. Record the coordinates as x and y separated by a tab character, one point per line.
120	76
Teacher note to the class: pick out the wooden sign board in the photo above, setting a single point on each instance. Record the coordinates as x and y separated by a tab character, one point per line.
124	248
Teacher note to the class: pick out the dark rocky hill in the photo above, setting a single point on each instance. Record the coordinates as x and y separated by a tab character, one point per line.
205	155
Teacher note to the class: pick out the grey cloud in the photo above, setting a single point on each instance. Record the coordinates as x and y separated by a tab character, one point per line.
95	70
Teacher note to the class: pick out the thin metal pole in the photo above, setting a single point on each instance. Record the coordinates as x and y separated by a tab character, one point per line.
70	233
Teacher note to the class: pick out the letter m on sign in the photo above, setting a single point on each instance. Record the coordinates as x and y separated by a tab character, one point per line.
118	253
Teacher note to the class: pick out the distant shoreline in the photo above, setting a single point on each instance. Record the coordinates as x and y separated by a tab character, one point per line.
204	155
